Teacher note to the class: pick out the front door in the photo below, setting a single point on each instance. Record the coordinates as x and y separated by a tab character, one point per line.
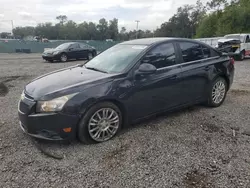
161	90
74	51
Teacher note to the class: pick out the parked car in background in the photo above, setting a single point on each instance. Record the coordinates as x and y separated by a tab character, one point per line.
235	45
70	50
126	83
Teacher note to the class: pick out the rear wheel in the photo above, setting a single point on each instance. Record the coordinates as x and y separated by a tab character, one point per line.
101	123
90	55
217	92
242	55
64	58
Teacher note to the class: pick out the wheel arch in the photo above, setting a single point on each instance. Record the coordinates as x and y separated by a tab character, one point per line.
116	102
225	77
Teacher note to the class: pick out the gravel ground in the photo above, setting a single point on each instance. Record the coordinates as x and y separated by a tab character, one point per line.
197	147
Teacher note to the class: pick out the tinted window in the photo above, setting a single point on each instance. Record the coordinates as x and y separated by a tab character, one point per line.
247	39
83	46
161	56
74	46
206	52
191	51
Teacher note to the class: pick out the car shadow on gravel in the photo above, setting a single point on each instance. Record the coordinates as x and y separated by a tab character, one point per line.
153	122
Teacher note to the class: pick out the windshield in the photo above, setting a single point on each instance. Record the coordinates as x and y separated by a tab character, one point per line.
63	46
239	37
116	59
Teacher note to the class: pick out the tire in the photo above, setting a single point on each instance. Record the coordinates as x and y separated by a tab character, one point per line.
90	56
87	123
51	61
242	55
63	57
214	101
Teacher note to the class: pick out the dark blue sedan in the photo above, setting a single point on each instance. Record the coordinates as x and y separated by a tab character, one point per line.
124	84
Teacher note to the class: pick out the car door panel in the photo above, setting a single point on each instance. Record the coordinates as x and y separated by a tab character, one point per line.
159	91
74	51
195	67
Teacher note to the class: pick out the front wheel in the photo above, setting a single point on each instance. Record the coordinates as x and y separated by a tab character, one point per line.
217	92
101	123
64	58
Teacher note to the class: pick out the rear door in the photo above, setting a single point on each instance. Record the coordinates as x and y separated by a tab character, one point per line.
197	61
84	50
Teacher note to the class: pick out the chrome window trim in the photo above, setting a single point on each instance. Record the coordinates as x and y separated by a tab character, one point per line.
190	62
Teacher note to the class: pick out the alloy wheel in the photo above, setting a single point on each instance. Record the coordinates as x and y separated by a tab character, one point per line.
90	56
103	124
64	58
218	92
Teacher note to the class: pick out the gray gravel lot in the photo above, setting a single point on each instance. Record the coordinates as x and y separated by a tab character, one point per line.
197	147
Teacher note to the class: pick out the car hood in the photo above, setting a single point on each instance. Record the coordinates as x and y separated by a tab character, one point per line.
65	81
229	41
50	51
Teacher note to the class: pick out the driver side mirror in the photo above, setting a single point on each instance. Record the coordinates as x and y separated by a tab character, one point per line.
70	49
146	69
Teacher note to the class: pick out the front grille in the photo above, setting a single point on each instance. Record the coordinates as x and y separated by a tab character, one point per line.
28	97
24	108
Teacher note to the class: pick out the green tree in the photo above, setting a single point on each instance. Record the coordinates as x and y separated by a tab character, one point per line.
102	27
62	19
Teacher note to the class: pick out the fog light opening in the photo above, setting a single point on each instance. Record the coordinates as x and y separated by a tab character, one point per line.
67	130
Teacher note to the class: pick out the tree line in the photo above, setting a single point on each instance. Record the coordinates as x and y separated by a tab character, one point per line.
216	18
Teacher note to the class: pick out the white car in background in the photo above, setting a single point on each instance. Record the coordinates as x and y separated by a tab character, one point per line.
236	45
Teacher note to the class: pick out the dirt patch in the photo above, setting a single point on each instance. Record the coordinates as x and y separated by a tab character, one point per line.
195	179
240	92
115	157
210	127
3	89
12	78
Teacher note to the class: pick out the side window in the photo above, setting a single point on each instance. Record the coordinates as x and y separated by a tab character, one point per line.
74	46
247	39
206	52
161	56
191	51
83	46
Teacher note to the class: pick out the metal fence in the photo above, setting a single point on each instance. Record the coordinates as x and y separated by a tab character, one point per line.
13	46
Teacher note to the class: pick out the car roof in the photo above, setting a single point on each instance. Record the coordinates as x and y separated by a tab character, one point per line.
152	41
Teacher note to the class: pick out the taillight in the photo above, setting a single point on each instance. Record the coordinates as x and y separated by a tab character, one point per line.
232	61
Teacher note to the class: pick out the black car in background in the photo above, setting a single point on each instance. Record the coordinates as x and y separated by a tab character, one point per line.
126	83
70	50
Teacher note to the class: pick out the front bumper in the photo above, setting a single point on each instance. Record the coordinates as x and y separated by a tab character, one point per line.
50	57
47	126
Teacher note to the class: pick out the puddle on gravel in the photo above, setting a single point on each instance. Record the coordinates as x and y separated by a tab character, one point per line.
3	89
240	92
195	179
211	128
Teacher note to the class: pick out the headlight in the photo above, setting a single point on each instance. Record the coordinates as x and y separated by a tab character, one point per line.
57	52
54	105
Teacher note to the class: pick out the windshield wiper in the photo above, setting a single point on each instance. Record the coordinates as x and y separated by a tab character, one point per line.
95	69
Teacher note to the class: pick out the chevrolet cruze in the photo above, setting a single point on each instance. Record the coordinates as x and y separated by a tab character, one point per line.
126	83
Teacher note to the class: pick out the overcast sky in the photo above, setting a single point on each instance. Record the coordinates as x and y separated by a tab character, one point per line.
151	13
